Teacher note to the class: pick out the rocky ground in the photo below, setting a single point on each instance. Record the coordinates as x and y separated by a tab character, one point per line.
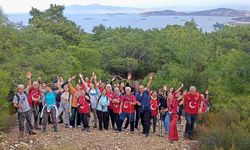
94	140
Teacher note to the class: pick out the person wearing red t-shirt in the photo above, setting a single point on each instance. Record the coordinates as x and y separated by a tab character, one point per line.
127	109
193	103
173	111
34	95
84	109
116	105
205	106
154	108
110	95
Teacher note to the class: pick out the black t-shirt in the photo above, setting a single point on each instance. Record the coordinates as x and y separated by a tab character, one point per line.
163	102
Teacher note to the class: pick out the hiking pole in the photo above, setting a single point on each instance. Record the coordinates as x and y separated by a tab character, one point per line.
161	125
130	114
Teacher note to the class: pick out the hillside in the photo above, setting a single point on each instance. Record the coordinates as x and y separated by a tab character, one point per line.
226	12
100	9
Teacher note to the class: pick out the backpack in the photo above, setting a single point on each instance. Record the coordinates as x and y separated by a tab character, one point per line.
13	111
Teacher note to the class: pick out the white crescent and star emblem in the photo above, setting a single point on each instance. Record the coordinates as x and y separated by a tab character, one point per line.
191	104
126	104
153	107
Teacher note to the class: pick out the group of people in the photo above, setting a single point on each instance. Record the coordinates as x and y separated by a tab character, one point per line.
41	103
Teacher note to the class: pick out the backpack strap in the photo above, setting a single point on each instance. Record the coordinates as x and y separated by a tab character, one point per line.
98	100
18	98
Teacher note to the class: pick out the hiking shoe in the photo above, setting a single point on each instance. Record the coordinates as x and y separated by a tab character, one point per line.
37	128
32	133
87	130
21	134
66	126
95	126
43	130
60	122
56	130
147	135
171	142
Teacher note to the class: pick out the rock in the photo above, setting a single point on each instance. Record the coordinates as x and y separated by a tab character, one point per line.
31	141
16	145
24	144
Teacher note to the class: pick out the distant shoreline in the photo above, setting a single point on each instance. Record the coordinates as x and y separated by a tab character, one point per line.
242	19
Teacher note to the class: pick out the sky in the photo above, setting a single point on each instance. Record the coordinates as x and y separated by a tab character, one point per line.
24	6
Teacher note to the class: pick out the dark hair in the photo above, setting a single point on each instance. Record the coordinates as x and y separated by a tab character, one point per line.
49	85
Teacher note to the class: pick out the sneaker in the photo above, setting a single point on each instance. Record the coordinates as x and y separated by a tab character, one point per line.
70	127
43	130
79	126
32	133
147	135
83	129
60	122
66	126
37	128
132	132
21	134
56	130
95	126
87	130
171	142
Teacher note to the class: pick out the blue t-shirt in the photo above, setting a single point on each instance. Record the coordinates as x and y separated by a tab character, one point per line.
144	99
50	98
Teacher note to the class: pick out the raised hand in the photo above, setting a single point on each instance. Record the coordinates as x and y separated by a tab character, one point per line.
129	76
206	92
93	74
73	77
151	76
182	85
165	88
80	75
114	77
95	77
28	75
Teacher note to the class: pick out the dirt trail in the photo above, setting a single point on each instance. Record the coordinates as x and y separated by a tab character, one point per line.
69	139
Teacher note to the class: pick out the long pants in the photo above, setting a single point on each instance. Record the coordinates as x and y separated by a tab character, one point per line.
24	116
103	118
34	109
85	120
130	117
167	122
116	119
112	117
39	112
173	132
137	116
64	107
95	115
154	118
190	124
145	119
75	117
46	115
